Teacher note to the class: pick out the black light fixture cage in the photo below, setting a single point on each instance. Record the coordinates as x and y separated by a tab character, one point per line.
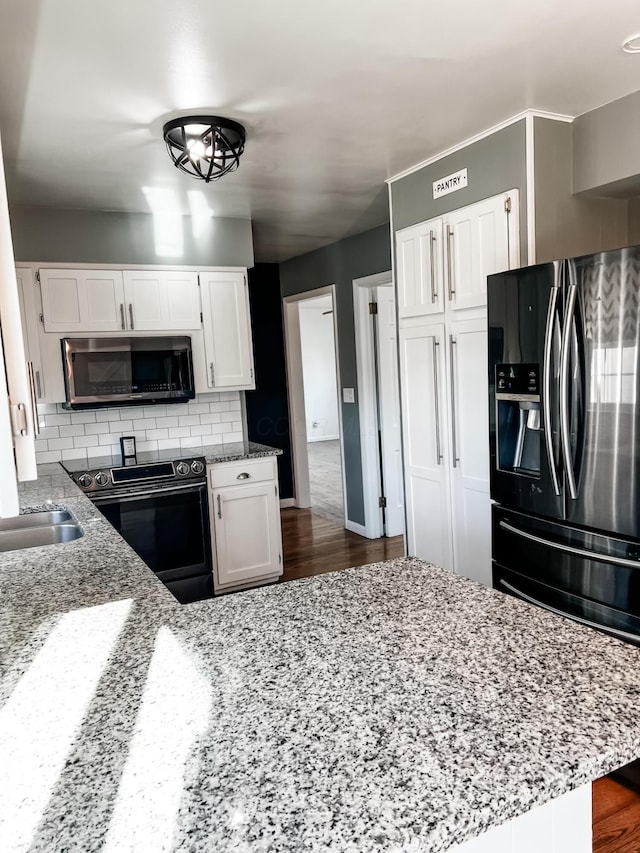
205	147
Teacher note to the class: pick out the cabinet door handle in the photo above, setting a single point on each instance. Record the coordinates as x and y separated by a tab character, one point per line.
454	440
38	383
434	292
450	282
219	507
32	394
123	324
131	315
243	476
436	350
213	375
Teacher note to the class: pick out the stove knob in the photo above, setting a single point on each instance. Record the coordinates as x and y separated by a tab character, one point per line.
101	478
182	468
197	467
85	480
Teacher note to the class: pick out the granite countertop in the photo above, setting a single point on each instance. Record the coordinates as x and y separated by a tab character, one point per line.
238	450
392	707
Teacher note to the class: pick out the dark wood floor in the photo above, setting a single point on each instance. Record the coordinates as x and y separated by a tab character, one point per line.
616	816
313	545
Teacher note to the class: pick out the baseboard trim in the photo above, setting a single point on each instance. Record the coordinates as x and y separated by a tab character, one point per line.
285	503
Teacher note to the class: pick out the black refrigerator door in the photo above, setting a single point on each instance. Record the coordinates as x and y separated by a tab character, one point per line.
525	314
602	388
592	578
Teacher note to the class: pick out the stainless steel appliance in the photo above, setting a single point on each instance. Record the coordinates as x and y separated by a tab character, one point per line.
159	506
564	372
102	372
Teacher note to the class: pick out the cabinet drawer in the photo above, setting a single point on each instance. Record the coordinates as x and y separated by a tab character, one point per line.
232	473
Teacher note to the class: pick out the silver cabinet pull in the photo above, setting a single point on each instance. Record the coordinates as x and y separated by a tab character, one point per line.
38	384
131	314
546	382
123	324
436	350
243	476
32	393
219	508
450	282
212	372
565	426
434	292
454	440
616	632
19	421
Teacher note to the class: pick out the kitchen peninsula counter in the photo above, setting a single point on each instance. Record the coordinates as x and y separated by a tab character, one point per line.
392	707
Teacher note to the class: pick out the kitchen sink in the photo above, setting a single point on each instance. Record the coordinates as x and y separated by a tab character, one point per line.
37	529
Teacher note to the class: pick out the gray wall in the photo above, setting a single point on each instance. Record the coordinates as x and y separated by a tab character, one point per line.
338	264
495	164
634	221
105	237
565	224
607	149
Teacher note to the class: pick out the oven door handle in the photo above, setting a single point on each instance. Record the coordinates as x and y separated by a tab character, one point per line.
146	493
623	635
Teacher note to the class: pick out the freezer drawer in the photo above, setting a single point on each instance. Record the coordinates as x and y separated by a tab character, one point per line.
573	570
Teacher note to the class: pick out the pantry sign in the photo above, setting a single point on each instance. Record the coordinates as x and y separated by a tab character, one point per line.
450	184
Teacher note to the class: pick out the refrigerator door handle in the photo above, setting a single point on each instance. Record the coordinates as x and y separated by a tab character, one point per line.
546	382
454	438
569	549
436	395
623	635
565	428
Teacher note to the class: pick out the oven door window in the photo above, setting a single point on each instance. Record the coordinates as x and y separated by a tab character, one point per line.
168	530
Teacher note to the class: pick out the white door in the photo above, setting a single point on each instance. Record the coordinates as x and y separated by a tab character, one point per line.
422	370
389	411
247	533
76	301
419	269
227	330
469	387
477	241
161	301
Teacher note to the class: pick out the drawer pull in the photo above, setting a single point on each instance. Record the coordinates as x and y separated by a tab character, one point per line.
243	476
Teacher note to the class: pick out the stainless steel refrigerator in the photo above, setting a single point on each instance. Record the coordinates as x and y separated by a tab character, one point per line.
564	378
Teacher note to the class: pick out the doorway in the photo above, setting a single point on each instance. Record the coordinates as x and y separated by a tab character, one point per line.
316	417
379	405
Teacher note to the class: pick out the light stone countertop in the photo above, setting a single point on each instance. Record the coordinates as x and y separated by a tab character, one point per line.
393	707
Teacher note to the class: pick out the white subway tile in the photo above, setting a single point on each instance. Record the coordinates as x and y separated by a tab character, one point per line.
102	450
43	456
234	406
168	443
203	429
189	420
60	443
97	429
103	415
83	418
107	439
41	445
179	432
121	427
198	408
153	411
232	437
70	431
49	432
146	445
144	423
213	418
168	422
58	420
218	429
155	434
85	441
75	453
192	441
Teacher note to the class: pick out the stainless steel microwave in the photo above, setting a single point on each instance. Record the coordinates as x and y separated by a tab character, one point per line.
100	372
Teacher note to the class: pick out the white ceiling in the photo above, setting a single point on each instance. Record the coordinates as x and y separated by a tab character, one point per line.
336	96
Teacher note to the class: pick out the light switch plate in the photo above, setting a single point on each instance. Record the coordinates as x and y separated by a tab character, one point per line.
348	395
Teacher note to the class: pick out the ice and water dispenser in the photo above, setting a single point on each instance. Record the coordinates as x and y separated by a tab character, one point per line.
518	418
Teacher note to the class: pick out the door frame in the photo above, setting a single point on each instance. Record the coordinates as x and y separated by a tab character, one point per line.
295	383
365	355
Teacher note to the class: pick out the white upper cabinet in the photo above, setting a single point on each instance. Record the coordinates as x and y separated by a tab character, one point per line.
419	269
477	245
82	300
30	310
442	264
227	330
161	301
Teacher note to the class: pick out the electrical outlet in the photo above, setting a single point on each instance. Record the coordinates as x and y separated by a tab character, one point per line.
348	395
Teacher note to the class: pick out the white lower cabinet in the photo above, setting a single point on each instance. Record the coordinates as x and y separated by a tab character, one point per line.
244	508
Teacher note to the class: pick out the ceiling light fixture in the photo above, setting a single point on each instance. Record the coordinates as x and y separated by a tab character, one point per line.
205	147
632	44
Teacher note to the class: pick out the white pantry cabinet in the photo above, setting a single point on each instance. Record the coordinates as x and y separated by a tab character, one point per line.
86	301
227	330
30	311
444	379
245	523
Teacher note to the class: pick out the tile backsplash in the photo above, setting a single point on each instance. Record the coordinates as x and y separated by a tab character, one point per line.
209	419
